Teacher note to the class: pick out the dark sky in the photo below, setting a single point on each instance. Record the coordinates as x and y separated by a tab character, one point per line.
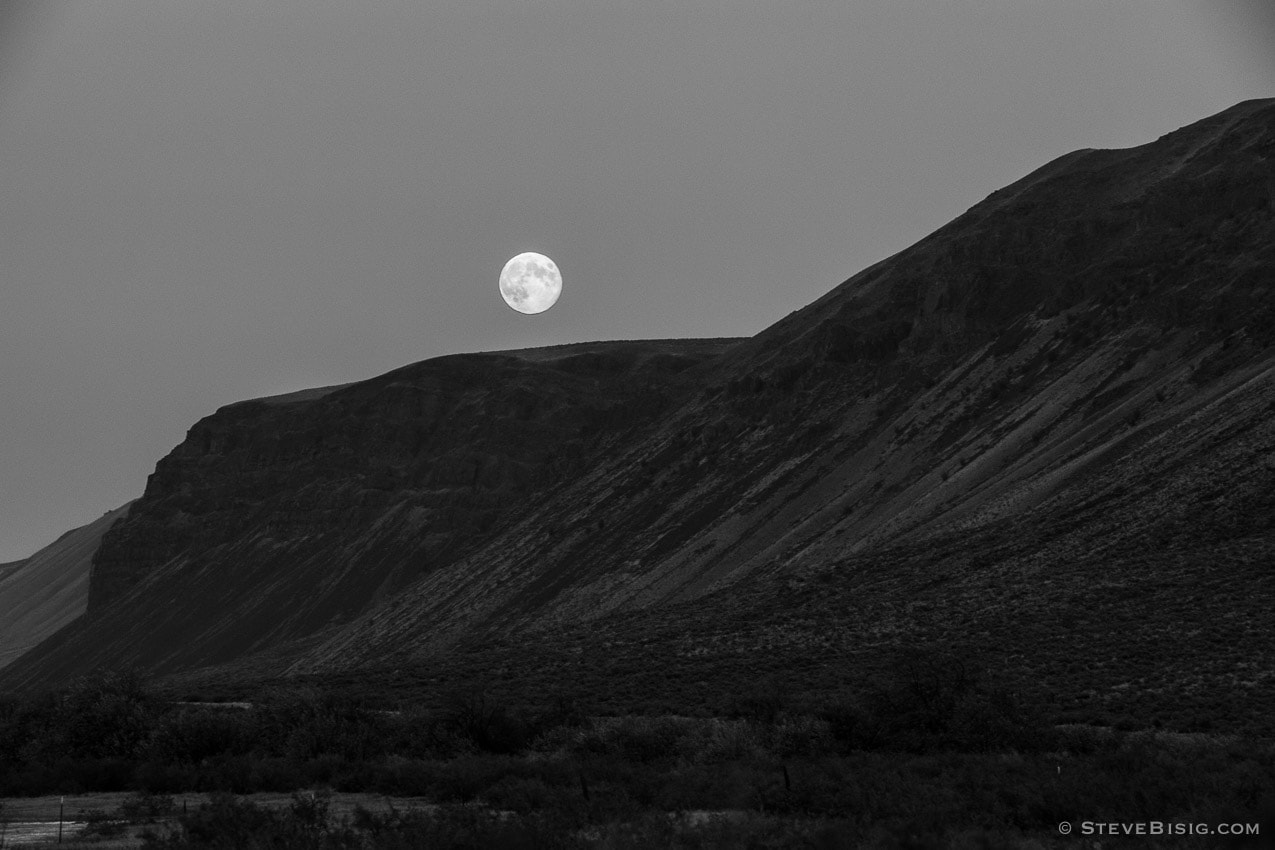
205	202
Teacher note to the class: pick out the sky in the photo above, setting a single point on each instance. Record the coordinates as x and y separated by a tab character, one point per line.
206	202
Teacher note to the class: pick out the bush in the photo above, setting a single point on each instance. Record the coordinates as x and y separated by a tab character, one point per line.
275	774
724	741
407	777
416	733
521	795
303	723
800	735
99	824
145	807
992	719
227	774
309	809
934	700
762	703
562	713
851	726
190	737
1082	740
226	822
109	716
160	778
478	719
635	739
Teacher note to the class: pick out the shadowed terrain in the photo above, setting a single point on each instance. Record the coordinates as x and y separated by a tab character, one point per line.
1043	433
41	594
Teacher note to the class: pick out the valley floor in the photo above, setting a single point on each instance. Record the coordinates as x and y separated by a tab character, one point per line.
685	782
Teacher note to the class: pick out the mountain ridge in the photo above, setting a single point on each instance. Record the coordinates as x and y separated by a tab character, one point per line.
994	395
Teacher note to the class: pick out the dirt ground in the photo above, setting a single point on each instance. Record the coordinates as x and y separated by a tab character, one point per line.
32	821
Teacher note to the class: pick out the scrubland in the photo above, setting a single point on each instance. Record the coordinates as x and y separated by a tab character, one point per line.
938	754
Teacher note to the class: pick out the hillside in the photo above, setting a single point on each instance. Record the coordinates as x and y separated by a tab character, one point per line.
44	592
1044	433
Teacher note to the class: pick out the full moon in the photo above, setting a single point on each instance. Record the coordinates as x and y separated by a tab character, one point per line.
530	283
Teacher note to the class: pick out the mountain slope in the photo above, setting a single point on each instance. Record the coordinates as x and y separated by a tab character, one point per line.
1045	416
279	517
967	379
41	594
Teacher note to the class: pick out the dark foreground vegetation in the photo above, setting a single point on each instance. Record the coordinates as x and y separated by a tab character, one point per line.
936	755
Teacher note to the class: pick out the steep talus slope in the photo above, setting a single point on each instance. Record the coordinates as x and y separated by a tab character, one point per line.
41	594
1048	416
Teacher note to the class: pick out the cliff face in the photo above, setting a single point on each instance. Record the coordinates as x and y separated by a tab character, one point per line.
1069	386
442	451
277	517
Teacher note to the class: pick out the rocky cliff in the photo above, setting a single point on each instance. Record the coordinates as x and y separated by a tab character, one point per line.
1052	411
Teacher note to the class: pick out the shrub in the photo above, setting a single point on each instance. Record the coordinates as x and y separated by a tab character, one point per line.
309	809
464	779
160	778
521	795
724	741
990	718
190	737
477	718
146	807
762	703
634	739
1082	740
227	822
303	723
99	824
800	735
274	774
562	712
934	700
108	716
711	787
227	774
408	777
851	726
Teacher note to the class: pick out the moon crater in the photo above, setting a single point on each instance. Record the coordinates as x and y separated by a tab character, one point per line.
530	283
